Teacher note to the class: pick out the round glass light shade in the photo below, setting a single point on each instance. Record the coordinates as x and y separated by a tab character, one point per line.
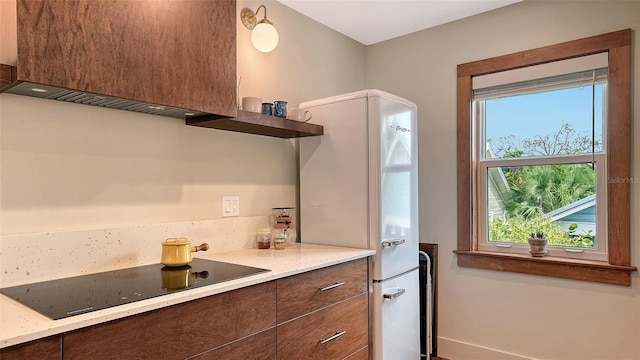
264	37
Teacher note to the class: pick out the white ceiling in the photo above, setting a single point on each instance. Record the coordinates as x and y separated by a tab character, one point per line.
372	21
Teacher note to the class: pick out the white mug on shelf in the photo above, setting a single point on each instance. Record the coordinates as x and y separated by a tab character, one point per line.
252	104
299	114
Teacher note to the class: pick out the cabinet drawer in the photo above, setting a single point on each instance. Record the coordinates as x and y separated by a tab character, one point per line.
363	354
261	346
300	294
178	331
303	337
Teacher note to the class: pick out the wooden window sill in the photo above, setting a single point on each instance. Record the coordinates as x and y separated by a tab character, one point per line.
576	269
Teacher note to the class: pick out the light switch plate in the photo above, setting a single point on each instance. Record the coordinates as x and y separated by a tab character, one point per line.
230	206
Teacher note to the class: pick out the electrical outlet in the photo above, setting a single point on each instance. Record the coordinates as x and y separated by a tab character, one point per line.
230	206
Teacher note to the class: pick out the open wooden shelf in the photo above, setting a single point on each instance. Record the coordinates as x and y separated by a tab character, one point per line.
259	124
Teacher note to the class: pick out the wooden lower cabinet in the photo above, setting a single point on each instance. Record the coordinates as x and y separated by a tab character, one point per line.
180	331
283	319
310	336
42	349
324	314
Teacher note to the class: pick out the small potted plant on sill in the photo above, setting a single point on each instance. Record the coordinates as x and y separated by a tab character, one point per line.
538	244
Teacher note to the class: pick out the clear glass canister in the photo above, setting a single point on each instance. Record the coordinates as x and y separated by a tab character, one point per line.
263	238
279	243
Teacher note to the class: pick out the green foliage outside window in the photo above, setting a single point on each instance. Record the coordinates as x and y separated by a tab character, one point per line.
518	229
547	187
537	190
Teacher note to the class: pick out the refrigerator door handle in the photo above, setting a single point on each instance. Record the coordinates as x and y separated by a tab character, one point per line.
337	335
332	286
392	242
394	295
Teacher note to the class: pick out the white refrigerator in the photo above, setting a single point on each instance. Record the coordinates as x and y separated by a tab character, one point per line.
358	188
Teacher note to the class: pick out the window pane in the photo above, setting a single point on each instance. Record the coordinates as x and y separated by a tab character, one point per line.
545	123
557	199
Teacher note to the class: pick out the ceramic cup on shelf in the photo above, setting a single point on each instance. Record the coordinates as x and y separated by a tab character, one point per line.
252	104
267	108
280	108
299	114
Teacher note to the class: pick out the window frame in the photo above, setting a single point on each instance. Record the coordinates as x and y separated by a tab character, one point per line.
484	163
617	269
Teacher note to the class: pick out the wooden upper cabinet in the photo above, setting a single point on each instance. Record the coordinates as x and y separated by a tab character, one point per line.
178	53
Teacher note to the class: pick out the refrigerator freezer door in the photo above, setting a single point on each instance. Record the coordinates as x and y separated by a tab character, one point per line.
358	182
396	317
333	176
393	182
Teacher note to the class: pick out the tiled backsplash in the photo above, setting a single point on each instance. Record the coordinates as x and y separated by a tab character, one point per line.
29	258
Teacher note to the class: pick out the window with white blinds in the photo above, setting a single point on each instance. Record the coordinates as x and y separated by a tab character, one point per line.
543	143
541	157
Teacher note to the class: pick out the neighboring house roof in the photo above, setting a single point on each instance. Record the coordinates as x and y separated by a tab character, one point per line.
498	185
574	208
496	176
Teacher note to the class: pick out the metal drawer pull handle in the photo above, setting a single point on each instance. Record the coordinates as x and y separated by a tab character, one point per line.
332	286
337	335
392	242
394	295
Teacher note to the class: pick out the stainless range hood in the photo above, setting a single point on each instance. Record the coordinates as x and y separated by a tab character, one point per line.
243	121
60	94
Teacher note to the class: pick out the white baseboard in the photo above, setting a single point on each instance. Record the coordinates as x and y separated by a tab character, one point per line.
457	350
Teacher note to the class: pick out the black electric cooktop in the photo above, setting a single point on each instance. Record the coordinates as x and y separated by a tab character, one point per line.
62	298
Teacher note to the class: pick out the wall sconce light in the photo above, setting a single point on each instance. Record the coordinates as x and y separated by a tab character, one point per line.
263	35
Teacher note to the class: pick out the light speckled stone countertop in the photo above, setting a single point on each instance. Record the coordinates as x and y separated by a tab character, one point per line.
19	324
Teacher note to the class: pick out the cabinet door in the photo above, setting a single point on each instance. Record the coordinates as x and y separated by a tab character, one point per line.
43	349
179	53
178	331
331	333
261	346
300	294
